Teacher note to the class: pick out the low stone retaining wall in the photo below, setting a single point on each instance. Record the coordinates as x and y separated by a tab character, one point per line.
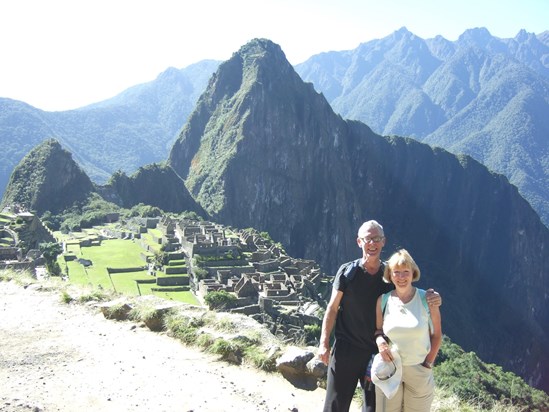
176	289
247	310
17	266
172	281
173	270
145	281
126	270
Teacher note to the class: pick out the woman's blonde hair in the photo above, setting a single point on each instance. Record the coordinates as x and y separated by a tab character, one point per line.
401	258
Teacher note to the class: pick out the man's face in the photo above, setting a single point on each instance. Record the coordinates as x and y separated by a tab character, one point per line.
371	242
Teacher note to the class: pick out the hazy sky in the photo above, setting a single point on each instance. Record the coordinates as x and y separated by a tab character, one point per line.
64	54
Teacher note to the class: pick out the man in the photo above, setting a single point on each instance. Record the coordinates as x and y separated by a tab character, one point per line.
352	309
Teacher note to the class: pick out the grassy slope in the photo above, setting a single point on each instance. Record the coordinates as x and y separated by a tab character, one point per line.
114	253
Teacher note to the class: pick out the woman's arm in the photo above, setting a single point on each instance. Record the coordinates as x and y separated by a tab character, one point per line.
381	339
436	337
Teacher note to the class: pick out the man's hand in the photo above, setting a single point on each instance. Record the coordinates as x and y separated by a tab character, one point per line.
324	354
433	298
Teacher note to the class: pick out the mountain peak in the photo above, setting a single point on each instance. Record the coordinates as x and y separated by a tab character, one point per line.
479	36
259	47
403	32
47	178
255	80
259	51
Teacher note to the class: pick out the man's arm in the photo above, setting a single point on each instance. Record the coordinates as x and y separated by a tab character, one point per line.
433	298
328	324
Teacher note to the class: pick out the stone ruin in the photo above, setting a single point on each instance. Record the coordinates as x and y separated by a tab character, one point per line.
282	292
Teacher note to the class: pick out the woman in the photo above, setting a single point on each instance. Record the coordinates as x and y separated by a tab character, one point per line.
405	322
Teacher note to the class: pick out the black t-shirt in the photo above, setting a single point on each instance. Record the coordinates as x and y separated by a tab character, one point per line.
356	318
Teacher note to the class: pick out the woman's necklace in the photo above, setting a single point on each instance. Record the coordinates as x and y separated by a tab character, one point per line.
404	299
407	296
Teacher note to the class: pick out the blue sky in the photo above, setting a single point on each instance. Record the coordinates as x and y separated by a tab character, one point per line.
64	54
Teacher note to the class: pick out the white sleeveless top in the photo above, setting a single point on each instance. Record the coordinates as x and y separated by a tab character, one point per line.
407	325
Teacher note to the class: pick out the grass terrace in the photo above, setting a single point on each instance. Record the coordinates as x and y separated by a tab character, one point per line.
150	239
5	218
110	268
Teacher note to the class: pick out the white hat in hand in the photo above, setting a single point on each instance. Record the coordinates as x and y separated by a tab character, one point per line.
387	375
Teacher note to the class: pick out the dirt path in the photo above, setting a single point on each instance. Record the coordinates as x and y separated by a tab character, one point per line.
57	357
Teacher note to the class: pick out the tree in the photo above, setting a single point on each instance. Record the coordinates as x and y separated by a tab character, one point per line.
50	251
220	300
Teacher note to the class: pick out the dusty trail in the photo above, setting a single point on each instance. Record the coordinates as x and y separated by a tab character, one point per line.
58	357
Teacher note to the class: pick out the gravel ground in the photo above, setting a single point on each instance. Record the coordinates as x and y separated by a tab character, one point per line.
59	357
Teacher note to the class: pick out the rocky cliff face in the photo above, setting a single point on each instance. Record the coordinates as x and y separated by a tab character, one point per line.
47	179
155	185
263	149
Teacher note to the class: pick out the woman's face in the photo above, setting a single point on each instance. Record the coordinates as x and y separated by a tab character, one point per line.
401	276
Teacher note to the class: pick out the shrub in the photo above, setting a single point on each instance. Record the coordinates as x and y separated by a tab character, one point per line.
205	340
228	350
312	332
259	359
96	295
183	328
200	273
65	297
220	300
486	385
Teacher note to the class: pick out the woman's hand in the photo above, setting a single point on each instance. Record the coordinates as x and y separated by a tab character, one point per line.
384	350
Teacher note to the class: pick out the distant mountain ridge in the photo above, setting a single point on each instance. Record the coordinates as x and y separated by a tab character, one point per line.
133	129
480	95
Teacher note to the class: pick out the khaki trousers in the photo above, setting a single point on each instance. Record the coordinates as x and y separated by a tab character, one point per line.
415	394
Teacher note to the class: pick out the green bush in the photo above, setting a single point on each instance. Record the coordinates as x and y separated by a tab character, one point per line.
312	332
200	273
183	328
486	385
228	350
259	359
220	300
66	297
205	340
185	333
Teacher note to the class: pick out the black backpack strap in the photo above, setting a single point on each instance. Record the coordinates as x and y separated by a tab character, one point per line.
350	269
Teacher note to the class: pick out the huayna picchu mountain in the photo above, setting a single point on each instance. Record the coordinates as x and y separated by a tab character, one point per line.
264	149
